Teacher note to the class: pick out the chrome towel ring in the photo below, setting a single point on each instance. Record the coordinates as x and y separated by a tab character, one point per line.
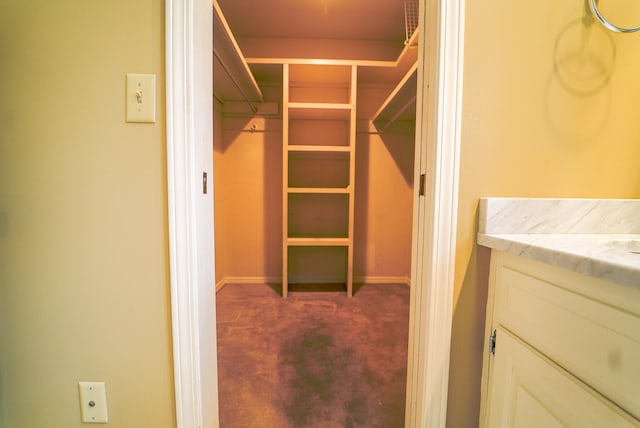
604	21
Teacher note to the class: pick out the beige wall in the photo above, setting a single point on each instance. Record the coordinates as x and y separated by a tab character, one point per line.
383	211
248	197
525	134
84	291
384	192
247	200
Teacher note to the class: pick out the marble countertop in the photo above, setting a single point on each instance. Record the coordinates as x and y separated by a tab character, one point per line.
595	237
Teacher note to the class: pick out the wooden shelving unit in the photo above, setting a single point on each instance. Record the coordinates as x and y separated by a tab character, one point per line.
319	117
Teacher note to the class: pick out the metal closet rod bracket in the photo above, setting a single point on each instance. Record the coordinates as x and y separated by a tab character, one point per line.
593	5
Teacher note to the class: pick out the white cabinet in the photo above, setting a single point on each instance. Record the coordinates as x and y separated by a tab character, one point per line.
567	348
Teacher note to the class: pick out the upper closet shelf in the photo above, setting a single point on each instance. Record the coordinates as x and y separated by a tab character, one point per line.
232	78
401	103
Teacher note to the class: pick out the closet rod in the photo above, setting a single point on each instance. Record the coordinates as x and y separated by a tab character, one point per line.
235	82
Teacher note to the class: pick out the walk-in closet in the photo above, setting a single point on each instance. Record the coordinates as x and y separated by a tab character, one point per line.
314	128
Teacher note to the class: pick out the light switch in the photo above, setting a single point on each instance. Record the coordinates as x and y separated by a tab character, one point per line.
93	402
141	98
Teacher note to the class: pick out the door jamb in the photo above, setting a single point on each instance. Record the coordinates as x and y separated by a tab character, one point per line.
186	99
440	74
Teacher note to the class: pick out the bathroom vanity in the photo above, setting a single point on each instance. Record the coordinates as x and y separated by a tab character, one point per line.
563	313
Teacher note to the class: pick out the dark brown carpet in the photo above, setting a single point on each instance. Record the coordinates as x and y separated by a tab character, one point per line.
314	359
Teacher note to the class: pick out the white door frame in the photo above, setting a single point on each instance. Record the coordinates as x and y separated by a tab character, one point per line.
435	215
438	116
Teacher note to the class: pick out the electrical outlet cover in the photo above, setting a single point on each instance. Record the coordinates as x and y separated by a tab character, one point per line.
93	402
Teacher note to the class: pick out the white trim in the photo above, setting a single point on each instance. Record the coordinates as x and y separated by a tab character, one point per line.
405	280
181	215
247	280
435	216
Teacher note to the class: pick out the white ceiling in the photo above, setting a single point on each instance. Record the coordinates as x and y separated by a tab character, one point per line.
367	20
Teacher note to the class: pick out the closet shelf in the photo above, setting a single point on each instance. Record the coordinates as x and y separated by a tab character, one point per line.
233	80
318	242
392	75
319	111
401	103
327	149
325	190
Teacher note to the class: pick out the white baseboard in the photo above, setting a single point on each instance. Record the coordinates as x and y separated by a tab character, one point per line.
382	280
278	279
247	280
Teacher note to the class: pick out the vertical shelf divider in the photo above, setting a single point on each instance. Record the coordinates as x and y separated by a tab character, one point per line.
352	175
285	179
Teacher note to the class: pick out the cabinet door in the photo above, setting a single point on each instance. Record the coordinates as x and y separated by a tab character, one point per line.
529	390
583	326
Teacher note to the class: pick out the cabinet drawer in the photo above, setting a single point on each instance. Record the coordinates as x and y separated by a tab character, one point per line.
597	342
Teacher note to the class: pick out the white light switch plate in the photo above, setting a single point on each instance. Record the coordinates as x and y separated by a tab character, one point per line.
93	402
141	98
